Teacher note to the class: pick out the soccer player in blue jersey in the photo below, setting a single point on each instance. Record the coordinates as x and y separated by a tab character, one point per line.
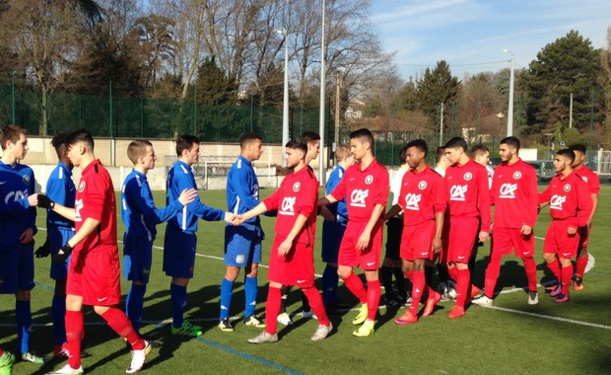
334	226
140	217
181	232
17	230
60	189
243	243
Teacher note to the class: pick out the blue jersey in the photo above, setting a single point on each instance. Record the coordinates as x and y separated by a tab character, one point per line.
138	210
16	184
242	189
61	190
180	178
338	209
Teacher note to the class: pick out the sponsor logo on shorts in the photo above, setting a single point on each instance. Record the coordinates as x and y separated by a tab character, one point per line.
102	299
300	281
567	188
412	201
369	179
556	202
358	196
424	254
468	176
517	175
239	259
458	192
297	186
288	206
461	257
508	191
369	264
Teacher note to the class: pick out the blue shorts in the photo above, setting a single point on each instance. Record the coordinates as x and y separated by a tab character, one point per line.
137	258
332	234
17	269
58	236
179	252
243	245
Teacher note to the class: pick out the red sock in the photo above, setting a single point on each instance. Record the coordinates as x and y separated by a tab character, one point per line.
567	272
410	276
118	321
272	309
373	298
317	305
453	272
462	287
1	352
531	273
417	290
554	266
492	273
582	262
356	287
74	335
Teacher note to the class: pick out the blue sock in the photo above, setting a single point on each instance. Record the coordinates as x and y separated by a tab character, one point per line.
329	285
23	316
250	290
226	293
58	314
135	305
179	302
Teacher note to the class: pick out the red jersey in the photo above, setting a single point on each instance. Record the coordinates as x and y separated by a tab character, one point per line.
467	189
95	198
422	196
569	199
297	194
363	188
589	178
515	196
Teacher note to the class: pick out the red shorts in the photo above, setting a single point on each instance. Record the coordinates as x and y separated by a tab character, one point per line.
461	238
95	276
558	241
506	239
296	268
368	259
584	236
417	241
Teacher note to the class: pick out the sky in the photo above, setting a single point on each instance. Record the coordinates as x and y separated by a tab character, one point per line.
471	34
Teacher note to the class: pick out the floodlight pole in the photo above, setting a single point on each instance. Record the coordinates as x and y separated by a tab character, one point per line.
510	104
321	130
285	100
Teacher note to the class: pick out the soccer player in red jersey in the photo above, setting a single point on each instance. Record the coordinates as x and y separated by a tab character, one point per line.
570	206
366	187
93	274
515	196
423	201
469	209
593	182
292	255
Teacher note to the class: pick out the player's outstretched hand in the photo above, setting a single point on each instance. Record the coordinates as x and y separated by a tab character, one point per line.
187	196
45	202
43	251
63	254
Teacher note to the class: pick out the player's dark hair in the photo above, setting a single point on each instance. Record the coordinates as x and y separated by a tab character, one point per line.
420	144
11	133
479	150
363	134
578	147
569	154
81	135
457	142
185	142
137	148
58	142
310	137
439	153
298	144
248	138
511	142
403	154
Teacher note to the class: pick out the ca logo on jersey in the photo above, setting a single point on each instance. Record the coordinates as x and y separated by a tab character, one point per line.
508	191
457	193
16	195
412	201
358	196
556	202
78	206
288	206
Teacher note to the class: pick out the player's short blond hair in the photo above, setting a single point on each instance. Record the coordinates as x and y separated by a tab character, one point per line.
137	148
341	153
